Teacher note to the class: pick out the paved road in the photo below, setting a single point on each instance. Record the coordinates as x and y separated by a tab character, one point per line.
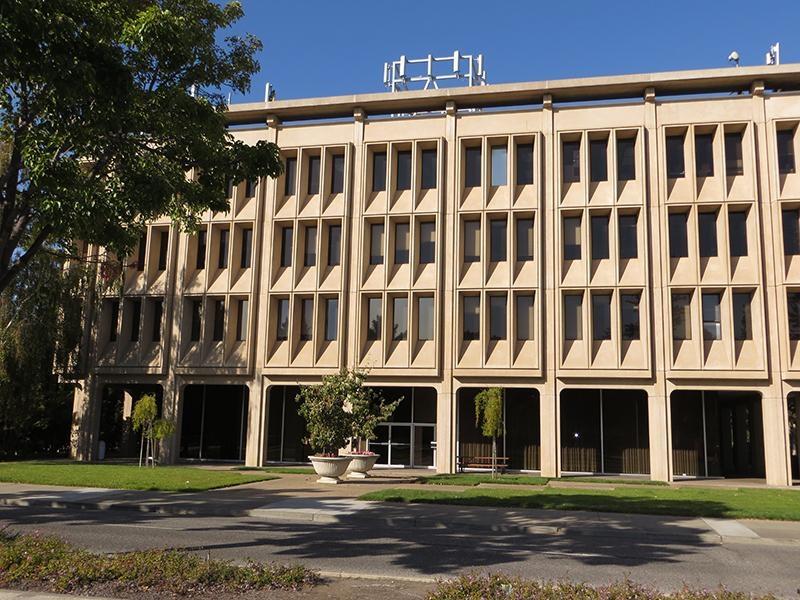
355	547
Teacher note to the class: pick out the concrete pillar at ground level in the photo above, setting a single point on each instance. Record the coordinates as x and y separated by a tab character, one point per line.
255	420
445	432
658	423
85	419
549	435
170	447
773	412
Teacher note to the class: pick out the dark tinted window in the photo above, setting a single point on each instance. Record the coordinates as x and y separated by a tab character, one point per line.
786	163
601	317
113	320
472	167
678	243
399	318
628	237
571	161
676	166
337	176
573	322
428	179
598	160
247	248
334	245
286	246
707	223
163	247
704	154
310	254
524	164
142	257
242	307
742	326
734	163
791	232
497	317
572	238
331	319
626	159
472	313
306	319
599	237
404	170
250	188
376	244
218	331
629	309
136	319
712	318
427	242
498	230
379	171
793	306
499	165
200	259
290	177
525	317
313	174
472	241
737	230
282	319
524	239
425	318
158	315
222	259
374	319
196	321
401	243
681	316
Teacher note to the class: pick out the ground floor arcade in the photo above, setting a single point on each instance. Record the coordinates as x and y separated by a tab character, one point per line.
692	433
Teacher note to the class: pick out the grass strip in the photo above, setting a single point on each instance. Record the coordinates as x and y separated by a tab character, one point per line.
473	479
125	477
733	503
496	587
50	563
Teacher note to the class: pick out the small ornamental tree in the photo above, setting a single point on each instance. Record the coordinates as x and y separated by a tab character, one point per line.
322	406
489	418
145	419
368	407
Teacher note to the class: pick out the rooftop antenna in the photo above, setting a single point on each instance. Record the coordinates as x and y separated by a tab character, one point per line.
734	58
773	56
428	72
269	93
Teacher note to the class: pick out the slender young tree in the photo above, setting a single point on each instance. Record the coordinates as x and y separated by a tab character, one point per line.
112	113
489	418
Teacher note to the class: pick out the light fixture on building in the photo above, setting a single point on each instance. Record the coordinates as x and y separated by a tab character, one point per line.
734	58
773	56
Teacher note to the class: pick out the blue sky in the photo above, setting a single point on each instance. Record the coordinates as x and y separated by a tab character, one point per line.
322	48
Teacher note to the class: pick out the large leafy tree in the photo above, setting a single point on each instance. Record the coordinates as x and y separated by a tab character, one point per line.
111	114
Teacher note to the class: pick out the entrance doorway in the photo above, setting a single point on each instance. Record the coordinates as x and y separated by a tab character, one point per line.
286	429
408	439
116	410
794	433
717	434
214	423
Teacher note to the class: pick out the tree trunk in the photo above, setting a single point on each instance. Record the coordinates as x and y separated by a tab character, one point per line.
141	449
494	457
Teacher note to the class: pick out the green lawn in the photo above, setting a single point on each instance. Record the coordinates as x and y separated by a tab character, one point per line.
699	502
128	477
473	479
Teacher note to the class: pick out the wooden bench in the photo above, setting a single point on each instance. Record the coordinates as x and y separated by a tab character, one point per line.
481	462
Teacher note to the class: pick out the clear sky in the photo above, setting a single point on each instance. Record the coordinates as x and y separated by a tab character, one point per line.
333	47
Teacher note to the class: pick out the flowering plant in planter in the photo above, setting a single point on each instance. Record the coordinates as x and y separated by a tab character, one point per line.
322	406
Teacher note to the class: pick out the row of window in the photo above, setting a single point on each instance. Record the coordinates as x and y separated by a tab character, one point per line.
314	175
601	315
598	159
333	250
498	316
134	309
216	307
707	234
711	310
224	233
627	235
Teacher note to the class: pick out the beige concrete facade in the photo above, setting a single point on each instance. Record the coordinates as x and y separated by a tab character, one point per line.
617	253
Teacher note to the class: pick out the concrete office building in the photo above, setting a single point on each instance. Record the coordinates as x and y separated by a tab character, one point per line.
620	254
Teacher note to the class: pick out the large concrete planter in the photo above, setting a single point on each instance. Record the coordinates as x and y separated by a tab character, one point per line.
360	465
330	468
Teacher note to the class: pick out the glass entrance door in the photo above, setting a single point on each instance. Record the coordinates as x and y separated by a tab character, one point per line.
405	445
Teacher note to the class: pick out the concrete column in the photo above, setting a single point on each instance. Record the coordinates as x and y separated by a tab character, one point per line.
445	429
85	419
254	456
550	439
171	410
658	424
775	418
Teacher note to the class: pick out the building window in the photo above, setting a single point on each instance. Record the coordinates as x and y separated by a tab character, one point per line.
427	242
200	259
222	257
113	325
712	319
399	318
598	160
742	324
524	164
306	319
571	161
142	257
310	254
737	232
793	306
374	319
681	316
247	248
497	237
287	233
734	162
599	237
425	317
626	159
786	163
158	310
572	238
403	178
282	320
472	318
313	175
497	317
428	179
704	154
573	317
472	241
379	172
290	177
628	237
376	244
525	319
230	188
629	309
334	245
678	243
250	188
524	239
676	165
499	165
401	243
218	330
601	317
337	176
163	247
242	308
331	319
472	167
707	223
791	231
196	321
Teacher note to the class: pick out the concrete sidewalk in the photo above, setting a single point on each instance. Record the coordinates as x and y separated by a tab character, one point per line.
296	498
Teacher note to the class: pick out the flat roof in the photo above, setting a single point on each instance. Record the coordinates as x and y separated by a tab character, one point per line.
669	83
